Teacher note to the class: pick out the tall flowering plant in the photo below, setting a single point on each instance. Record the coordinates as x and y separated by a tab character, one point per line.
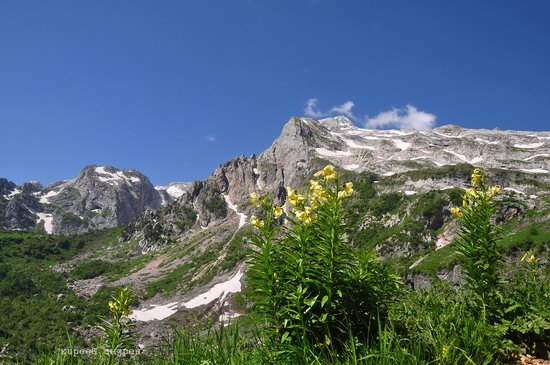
310	285
116	328
477	237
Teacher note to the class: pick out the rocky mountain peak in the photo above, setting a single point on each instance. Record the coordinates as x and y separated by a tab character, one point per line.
339	122
113	176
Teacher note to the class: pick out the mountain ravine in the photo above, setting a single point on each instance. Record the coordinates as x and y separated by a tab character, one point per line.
182	247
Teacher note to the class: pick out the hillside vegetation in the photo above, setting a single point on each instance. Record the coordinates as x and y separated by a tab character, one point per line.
325	282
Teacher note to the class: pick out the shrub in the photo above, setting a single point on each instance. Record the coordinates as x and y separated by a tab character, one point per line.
91	269
448	326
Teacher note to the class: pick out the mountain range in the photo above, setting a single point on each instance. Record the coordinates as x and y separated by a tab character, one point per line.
182	247
105	196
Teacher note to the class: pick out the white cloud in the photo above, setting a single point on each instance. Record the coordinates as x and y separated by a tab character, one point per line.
404	118
311	109
210	139
344	109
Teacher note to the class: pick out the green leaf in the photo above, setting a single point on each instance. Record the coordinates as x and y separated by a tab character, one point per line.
324	300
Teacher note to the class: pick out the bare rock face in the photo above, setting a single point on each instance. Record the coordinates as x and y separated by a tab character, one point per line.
17	206
100	197
208	202
155	229
508	211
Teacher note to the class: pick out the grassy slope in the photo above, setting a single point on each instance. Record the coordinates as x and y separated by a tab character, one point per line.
35	303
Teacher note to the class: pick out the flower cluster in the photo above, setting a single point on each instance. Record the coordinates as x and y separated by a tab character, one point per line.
480	190
120	305
530	258
263	201
303	205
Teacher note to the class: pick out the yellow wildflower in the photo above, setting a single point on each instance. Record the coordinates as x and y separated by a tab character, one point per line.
456	212
113	307
258	223
445	349
255	200
277	211
314	185
348	189
328	172
530	258
293	197
472	192
318	191
495	190
306	216
477	177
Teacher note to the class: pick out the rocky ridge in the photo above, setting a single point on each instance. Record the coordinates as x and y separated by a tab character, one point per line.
103	196
100	197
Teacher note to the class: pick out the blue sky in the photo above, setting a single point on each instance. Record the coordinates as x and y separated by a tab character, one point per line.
175	88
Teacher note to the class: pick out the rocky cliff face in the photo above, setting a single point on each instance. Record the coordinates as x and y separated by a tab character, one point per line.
18	205
306	144
100	197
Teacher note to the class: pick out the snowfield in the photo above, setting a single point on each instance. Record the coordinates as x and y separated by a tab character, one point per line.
219	291
48	221
115	178
233	207
529	145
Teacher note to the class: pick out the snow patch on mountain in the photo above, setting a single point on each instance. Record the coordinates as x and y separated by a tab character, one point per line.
464	158
233	207
44	199
116	177
535	171
529	145
400	144
328	153
13	193
218	291
48	221
154	312
351	167
537	155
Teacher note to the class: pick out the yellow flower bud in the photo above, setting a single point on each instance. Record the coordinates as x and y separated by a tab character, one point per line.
455	211
255	200
258	223
348	188
295	198
328	172
477	177
277	211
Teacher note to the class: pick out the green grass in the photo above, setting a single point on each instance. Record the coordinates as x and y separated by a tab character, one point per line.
442	259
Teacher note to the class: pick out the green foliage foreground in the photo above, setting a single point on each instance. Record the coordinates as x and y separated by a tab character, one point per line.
317	300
